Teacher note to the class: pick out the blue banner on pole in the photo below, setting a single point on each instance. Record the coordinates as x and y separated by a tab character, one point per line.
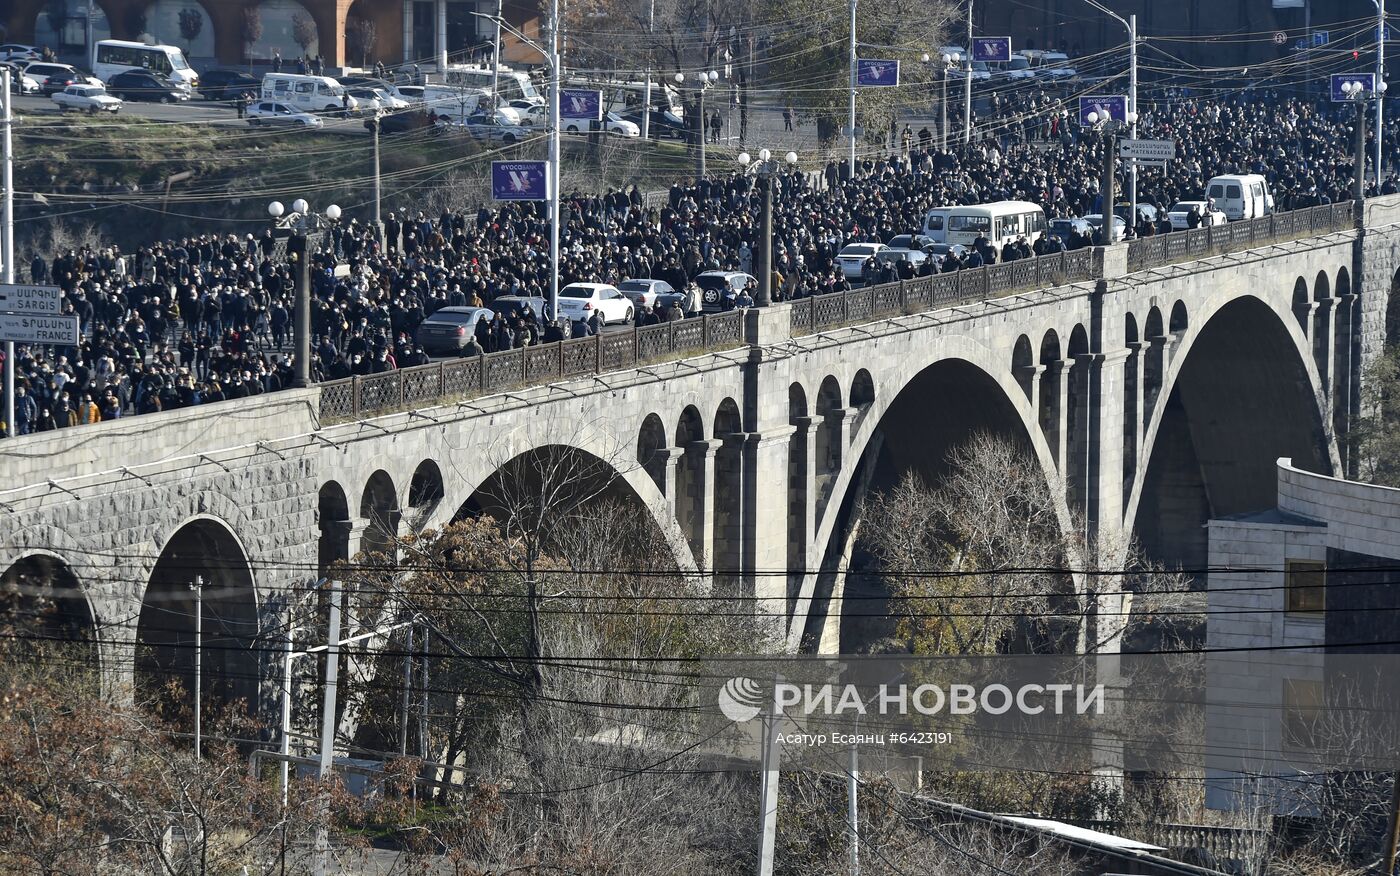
581	104
991	49
1367	80
875	73
1105	106
520	180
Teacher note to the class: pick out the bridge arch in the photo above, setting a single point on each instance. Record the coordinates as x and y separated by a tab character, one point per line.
425	491
203	550
1302	305
1179	321
1392	311
1155	365
40	595
801	499
726	548
829	414
1241	392
1321	327
651	450
1051	380
932	405
1023	366
379	513
333	520
690	503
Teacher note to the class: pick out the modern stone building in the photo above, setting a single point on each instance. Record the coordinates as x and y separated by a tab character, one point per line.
1316	574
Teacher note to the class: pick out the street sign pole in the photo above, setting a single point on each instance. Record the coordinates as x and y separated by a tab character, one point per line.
8	242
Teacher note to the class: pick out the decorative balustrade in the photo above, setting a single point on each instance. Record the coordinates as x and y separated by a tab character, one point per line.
1181	246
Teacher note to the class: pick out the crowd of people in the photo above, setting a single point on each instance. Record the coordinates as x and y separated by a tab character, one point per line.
209	317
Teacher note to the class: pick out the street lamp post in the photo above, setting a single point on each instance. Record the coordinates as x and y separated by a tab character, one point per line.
950	63
1106	187
967	80
1355	91
703	79
765	167
296	227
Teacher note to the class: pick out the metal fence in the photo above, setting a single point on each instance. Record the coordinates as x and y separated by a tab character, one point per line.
1182	246
425	385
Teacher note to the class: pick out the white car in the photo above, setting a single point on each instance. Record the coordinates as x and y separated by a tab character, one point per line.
20	83
644	292
579	301
271	112
88	98
376	99
1018	68
612	123
1178	212
853	255
1056	65
497	128
18	52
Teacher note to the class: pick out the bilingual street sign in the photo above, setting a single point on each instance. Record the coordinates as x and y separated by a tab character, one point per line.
1108	106
1367	80
19	298
27	328
991	49
582	104
1155	151
876	73
520	180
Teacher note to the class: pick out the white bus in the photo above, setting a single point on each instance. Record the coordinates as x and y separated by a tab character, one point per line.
1000	223
514	85
313	94
936	223
110	57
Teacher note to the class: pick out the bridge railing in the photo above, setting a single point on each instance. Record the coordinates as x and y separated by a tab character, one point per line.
1182	246
424	385
939	290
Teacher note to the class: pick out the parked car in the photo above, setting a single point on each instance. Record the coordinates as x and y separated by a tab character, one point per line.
1123	208
1096	220
579	301
53	78
940	251
19	82
910	241
508	303
88	98
645	292
402	121
1017	68
228	85
271	113
853	255
495	128
664	122
1064	229
719	287
1178	212
372	99
411	93
612	123
144	85
446	331
19	52
915	257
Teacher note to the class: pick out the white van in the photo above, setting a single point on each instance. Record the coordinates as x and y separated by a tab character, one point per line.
454	102
110	57
315	94
1242	196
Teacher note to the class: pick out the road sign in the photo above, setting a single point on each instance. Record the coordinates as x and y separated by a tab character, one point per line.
520	180
875	73
581	103
19	298
1321	38
1367	80
991	48
1147	150
1107	106
1280	38
24	328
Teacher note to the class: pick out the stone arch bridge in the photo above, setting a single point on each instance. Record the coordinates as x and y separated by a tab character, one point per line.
1154	382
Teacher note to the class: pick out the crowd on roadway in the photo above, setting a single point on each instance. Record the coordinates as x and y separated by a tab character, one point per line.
209	317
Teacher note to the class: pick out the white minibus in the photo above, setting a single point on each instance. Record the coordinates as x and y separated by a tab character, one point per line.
1001	223
313	94
110	57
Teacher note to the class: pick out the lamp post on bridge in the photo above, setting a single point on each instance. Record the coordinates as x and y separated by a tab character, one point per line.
1108	127
297	227
765	168
703	80
1357	93
950	63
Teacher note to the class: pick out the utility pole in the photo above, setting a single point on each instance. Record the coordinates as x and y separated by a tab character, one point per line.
198	588
378	222
496	60
967	81
1359	183
1392	833
1110	229
301	328
768	792
407	686
327	753
851	114
852	811
1380	84
1132	120
285	745
554	181
646	87
7	244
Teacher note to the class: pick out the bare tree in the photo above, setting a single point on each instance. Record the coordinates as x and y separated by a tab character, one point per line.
303	31
251	30
360	34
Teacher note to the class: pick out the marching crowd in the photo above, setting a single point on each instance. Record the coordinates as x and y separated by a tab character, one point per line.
209	317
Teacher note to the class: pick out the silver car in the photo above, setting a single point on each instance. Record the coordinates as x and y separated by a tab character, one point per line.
448	330
644	292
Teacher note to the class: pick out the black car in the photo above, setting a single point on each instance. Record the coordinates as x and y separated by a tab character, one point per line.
663	123
144	85
402	121
228	85
52	78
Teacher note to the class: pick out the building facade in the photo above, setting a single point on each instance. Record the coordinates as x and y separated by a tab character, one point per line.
1301	596
344	33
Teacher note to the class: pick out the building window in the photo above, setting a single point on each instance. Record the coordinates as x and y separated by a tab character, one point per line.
1305	587
1302	713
